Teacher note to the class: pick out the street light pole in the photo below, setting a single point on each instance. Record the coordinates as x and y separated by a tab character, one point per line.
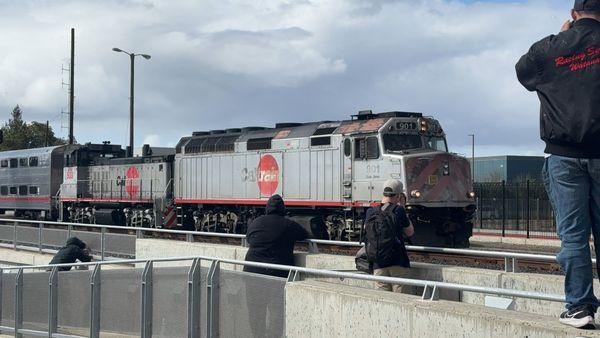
131	94
472	157
132	56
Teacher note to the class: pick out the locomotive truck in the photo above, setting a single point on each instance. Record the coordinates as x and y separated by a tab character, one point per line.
328	172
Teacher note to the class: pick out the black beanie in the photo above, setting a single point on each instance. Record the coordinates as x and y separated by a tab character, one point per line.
587	5
275	206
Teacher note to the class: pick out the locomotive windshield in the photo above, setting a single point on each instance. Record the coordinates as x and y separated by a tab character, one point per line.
405	143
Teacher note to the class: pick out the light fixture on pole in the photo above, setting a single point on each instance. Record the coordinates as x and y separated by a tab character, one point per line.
132	58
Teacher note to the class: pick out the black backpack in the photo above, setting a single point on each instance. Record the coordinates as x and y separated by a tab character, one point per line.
381	235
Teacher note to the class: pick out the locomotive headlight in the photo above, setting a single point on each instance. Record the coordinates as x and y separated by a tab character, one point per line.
471	194
415	193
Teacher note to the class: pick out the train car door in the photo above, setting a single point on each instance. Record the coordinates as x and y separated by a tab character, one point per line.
361	186
347	169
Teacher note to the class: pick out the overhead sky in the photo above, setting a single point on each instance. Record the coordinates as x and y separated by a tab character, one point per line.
224	64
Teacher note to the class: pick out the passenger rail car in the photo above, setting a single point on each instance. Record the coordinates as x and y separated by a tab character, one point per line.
30	180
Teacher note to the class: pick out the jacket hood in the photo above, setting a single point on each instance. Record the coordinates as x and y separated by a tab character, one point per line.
275	206
76	241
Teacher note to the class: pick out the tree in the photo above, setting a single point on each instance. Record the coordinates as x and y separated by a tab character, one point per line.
20	135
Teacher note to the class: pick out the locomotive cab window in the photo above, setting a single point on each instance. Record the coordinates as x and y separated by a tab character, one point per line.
13	162
4	163
400	143
4	190
22	190
33	190
33	161
23	162
436	143
366	148
372	148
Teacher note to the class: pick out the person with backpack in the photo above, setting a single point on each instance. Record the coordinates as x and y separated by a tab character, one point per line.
384	227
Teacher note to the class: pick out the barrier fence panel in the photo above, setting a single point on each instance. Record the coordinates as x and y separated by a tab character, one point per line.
251	305
35	300
120	301
170	294
8	298
74	302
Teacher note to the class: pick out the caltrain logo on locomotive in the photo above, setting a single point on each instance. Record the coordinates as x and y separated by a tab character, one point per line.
267	175
131	184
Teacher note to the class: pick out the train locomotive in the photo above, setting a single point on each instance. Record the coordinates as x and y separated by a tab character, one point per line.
328	173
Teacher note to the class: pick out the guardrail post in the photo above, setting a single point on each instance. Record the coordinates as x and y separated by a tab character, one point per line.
244	242
293	276
40	234
430	293
53	302
69	230
189	238
15	235
102	243
146	311
508	267
313	248
95	302
515	266
194	295
139	234
18	302
212	300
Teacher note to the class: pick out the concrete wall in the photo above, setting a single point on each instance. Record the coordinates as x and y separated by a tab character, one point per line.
149	248
313	310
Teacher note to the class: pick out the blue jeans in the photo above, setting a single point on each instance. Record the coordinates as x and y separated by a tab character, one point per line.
574	188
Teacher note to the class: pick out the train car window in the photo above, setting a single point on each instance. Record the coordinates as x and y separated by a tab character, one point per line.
360	148
320	141
23	162
347	147
259	143
33	190
3	190
33	161
13	190
324	131
13	162
399	142
22	190
4	163
372	148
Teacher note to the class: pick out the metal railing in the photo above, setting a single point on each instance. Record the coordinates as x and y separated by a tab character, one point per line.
510	258
431	290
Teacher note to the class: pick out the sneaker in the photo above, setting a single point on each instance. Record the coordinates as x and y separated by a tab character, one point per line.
581	318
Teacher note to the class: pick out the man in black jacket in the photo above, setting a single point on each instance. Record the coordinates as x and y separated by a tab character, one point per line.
564	70
74	249
272	237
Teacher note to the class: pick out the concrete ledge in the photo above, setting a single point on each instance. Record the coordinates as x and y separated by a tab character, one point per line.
515	240
313	309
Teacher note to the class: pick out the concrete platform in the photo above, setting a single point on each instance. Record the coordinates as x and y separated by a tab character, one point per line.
313	309
515	240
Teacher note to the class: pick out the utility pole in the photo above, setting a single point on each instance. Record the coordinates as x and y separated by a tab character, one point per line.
47	132
132	57
72	87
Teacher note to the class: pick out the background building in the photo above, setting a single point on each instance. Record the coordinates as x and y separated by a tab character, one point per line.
512	169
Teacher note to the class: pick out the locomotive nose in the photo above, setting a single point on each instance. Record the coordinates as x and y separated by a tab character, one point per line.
439	179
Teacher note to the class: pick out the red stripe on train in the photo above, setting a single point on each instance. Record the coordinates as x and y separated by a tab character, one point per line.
72	199
40	198
287	202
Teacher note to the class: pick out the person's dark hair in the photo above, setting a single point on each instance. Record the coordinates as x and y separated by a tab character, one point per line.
595	14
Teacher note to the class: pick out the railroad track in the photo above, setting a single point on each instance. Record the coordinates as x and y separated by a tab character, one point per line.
452	259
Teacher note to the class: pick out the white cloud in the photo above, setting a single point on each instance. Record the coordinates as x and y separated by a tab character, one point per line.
219	64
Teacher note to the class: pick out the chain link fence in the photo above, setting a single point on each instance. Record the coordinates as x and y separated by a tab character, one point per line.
514	209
